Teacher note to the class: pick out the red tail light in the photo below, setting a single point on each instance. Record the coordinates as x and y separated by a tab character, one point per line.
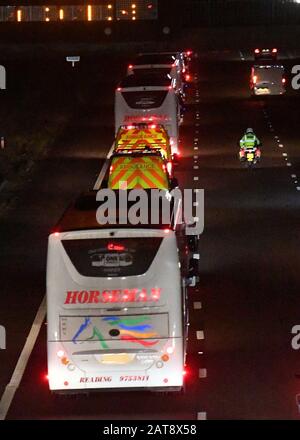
254	79
257	51
130	66
187	77
189	53
115	247
119	89
153	126
274	50
283	80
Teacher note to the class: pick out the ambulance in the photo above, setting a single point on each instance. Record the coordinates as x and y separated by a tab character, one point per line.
146	136
146	169
116	303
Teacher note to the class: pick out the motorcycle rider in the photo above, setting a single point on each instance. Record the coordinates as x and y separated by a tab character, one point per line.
249	142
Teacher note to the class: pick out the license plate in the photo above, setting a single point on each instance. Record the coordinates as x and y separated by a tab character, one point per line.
250	156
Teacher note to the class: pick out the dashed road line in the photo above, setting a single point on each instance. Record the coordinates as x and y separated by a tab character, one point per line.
200	334
202	373
202	415
197	305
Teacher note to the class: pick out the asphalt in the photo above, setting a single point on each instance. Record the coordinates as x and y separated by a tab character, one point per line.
249	276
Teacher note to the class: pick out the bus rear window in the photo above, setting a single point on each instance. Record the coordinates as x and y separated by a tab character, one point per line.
145	100
112	257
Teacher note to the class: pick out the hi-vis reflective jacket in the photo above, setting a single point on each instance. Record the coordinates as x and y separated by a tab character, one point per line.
144	136
249	140
138	172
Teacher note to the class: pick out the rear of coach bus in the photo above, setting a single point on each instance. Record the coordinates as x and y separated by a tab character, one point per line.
115	310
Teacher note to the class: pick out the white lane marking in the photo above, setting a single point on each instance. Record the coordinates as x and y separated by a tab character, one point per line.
298	188
104	169
294	176
241	55
196	148
280	145
276	137
202	415
197	305
11	388
196	178
200	334
284	154
196	167
202	373
289	164
196	156
196	139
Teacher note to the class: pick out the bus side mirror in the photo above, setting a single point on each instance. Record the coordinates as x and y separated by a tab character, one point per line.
174	183
193	273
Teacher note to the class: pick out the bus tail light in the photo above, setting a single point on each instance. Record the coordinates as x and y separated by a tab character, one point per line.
115	247
254	79
257	51
274	50
283	80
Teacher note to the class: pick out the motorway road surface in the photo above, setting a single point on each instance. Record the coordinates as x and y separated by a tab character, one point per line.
243	365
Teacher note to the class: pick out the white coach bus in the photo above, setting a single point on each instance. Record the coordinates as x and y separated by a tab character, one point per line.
116	304
149	98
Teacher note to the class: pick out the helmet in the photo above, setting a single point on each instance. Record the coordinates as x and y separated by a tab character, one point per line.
249	131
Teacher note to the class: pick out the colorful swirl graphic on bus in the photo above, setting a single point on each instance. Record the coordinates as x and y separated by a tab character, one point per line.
135	330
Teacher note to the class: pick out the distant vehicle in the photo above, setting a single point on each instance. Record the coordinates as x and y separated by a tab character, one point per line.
117	315
149	98
164	63
266	54
267	80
